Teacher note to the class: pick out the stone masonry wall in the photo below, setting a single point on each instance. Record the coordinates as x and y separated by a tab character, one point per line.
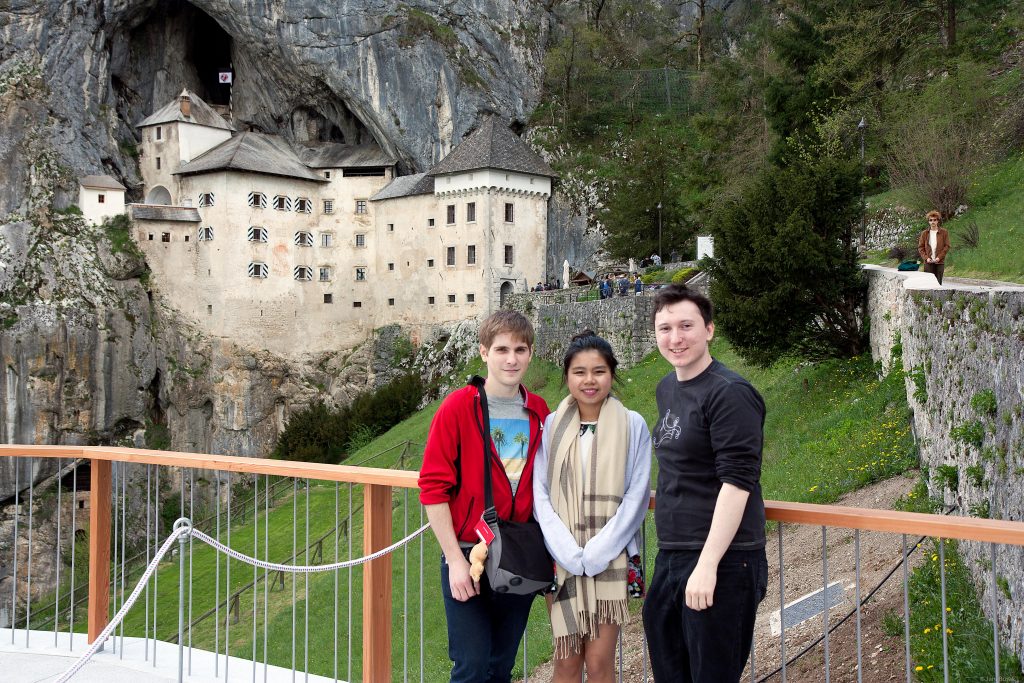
624	321
963	352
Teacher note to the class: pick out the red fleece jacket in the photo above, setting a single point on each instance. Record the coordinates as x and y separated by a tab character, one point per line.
453	464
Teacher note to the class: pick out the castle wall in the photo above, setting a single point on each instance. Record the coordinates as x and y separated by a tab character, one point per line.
93	210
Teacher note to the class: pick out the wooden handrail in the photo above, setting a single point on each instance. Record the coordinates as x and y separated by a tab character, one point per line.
377	524
225	463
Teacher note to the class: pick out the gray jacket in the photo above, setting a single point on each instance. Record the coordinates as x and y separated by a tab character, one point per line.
621	531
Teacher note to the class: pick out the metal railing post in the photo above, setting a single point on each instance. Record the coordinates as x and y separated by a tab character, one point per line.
377	585
99	547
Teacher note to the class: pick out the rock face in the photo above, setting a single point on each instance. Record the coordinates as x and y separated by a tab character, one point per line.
962	352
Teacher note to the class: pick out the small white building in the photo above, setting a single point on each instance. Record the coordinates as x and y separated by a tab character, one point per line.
99	197
307	247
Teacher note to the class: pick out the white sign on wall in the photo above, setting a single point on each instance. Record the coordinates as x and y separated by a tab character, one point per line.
225	77
705	247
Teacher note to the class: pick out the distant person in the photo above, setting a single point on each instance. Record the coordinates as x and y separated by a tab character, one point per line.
638	284
623	285
605	288
591	490
674	256
933	245
656	260
484	627
711	572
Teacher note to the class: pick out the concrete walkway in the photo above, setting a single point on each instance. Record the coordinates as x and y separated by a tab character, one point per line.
916	279
41	661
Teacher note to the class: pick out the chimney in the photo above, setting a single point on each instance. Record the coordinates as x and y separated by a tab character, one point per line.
186	104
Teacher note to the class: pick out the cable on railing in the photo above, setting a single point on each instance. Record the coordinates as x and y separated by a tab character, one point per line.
183	527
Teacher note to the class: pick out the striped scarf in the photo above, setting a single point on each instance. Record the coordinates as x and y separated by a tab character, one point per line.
585	501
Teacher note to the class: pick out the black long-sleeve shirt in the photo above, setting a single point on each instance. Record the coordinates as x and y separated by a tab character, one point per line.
710	431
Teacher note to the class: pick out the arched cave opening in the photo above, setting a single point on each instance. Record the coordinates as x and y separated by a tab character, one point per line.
164	48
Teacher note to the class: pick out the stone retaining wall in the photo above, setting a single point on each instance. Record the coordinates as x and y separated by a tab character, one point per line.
963	352
624	321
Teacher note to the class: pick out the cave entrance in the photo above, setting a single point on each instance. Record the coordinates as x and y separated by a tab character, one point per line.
208	47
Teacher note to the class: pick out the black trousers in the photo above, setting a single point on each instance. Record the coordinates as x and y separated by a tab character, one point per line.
936	269
705	646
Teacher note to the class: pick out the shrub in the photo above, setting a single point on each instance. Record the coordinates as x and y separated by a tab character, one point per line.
969	432
682	275
902	252
984	402
314	434
948	476
969	237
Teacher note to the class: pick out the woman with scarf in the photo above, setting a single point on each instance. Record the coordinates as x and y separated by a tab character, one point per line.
591	490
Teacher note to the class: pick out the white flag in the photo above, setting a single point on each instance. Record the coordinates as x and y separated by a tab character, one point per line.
225	77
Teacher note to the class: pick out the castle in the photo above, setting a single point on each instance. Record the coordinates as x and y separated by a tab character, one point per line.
308	247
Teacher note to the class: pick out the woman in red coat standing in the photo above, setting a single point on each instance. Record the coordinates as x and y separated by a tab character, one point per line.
933	245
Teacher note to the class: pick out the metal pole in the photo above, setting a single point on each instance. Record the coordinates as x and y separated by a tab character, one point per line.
660	255
863	207
182	541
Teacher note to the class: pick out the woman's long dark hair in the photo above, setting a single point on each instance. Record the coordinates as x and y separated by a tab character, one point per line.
587	340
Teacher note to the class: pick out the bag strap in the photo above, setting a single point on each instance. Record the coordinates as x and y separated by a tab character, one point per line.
490	513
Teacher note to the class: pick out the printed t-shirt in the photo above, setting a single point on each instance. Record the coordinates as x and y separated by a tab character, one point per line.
510	432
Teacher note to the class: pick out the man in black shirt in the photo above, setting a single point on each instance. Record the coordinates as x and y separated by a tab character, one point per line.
711	572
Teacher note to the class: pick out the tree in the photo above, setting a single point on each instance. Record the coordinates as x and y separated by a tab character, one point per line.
785	277
648	169
498	436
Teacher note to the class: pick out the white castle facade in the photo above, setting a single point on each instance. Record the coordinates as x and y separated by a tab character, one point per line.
308	248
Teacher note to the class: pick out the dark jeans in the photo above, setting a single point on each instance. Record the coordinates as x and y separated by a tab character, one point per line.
711	645
484	632
936	269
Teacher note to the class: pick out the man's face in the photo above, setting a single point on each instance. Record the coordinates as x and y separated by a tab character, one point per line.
507	359
683	338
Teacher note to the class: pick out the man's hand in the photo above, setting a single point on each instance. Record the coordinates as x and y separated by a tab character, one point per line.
462	584
700	588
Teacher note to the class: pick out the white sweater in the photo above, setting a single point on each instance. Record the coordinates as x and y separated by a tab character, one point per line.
619	532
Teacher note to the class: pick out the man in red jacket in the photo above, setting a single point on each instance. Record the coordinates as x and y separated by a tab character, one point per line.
484	627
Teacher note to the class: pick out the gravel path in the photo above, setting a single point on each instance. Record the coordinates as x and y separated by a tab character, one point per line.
882	655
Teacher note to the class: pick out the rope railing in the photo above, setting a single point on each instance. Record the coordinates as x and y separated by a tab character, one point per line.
181	532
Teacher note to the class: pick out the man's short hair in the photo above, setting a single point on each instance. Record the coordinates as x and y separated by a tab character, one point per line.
673	294
502	322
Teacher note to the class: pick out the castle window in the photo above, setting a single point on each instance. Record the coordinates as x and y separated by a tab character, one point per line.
325	274
283	203
357	304
159	133
360	240
327	239
257	200
205	199
470	298
165	237
328	205
150	237
327	174
257	269
206	234
360	206
430	263
391	266
430	222
450	210
509	255
391	227
471	254
450	257
360	273
391	302
186	238
158	163
304	238
302	273
303	205
101	198
328	298
471	212
430	300
257	234
510	212
451	298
